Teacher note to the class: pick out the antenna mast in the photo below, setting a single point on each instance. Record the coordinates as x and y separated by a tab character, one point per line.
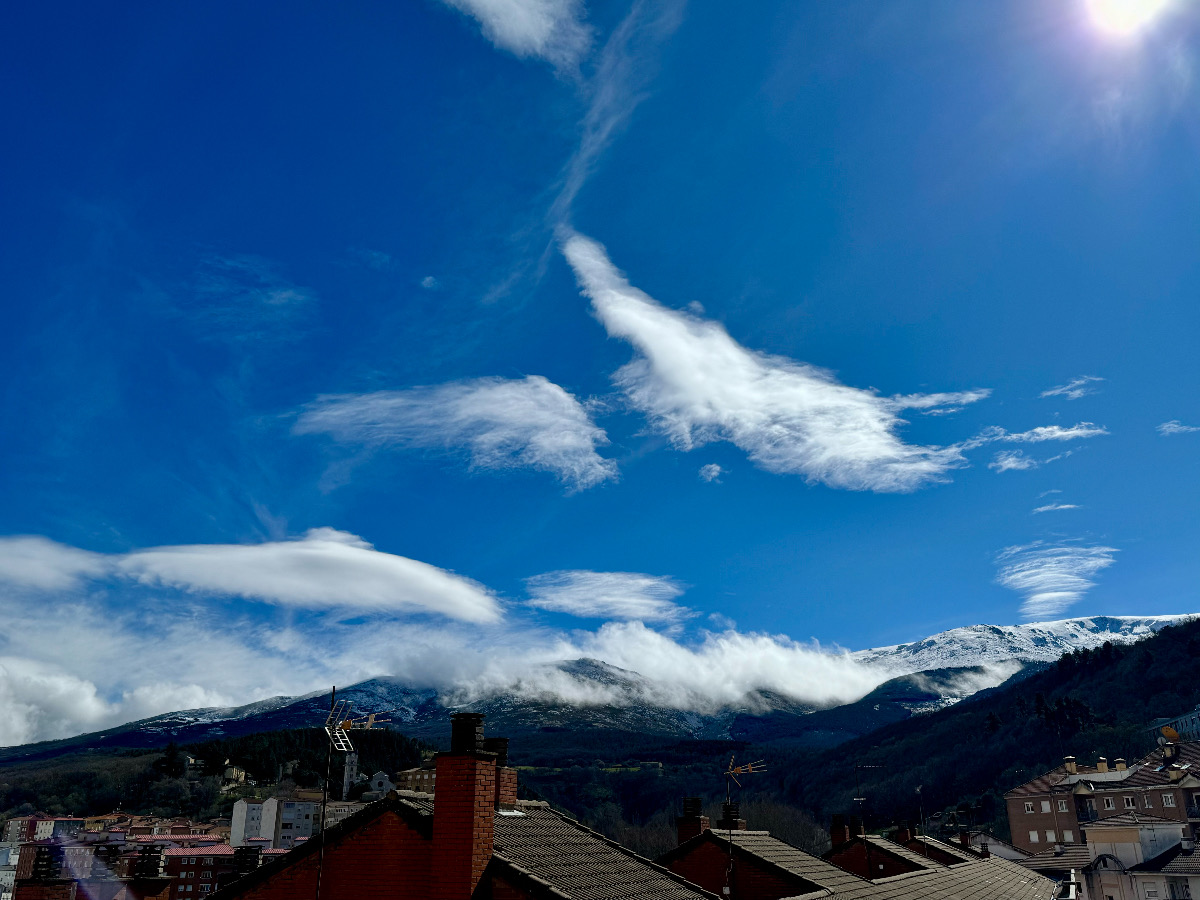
732	771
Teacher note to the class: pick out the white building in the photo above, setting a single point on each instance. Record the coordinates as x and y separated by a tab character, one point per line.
284	822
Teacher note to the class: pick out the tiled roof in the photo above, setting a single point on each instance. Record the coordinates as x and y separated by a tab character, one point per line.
1131	818
1153	772
1073	856
218	850
1175	861
974	879
579	863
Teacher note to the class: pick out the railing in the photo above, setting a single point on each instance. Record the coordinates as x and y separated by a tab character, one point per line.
1193	812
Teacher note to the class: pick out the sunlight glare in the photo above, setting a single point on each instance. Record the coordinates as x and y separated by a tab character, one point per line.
1125	17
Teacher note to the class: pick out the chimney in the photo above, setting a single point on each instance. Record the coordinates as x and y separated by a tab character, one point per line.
506	777
463	814
692	822
856	827
964	838
1175	772
1120	764
984	850
1169	752
903	834
838	832
729	820
1102	765
1069	765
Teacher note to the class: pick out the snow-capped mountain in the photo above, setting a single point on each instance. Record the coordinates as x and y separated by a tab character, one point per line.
588	695
982	645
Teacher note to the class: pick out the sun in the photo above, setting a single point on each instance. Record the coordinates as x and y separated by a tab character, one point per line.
1125	17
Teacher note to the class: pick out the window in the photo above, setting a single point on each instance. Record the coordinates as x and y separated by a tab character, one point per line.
1169	801
1045	806
1130	803
1033	837
1110	803
1149	802
1028	806
1068	836
1049	837
208	860
1151	893
1062	805
206	874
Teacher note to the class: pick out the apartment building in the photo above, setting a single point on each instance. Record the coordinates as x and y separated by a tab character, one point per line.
283	822
1055	807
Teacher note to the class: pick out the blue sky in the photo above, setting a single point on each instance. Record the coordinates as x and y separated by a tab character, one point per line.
444	339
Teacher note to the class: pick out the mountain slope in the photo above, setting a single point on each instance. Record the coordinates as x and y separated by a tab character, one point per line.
587	695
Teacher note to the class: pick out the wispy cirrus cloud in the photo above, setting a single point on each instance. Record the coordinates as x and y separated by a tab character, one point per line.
499	423
325	569
696	384
607	595
1166	429
1074	389
1018	461
1054	507
1051	577
1053	433
552	30
246	299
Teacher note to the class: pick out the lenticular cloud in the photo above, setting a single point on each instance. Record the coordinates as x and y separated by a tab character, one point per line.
697	384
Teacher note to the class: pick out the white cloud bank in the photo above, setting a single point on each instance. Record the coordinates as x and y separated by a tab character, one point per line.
696	384
1051	578
1166	429
552	30
325	569
607	595
1073	389
502	423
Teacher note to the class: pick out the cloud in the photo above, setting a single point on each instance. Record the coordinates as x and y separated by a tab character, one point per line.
696	384
430	283
326	569
552	30
1052	433
1176	427
1017	461
1054	507
1051	578
607	595
245	299
42	564
503	424
1073	389
710	472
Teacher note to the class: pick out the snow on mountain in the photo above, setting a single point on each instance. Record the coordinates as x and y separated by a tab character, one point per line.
985	645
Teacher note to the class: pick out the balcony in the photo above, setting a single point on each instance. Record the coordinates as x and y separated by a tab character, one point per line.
1086	815
1193	812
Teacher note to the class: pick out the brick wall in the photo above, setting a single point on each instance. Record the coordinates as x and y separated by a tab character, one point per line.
854	857
706	865
383	859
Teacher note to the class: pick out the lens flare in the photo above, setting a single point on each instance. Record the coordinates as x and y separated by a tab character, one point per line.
1125	17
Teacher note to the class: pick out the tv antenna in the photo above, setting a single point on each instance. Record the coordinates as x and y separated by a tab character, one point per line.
339	721
732	771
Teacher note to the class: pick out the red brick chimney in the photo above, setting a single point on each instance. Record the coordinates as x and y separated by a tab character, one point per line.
692	822
506	777
463	813
839	833
903	834
964	838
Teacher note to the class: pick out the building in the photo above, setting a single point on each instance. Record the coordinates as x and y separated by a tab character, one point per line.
478	840
40	827
1187	726
1053	808
196	872
281	821
731	860
421	780
246	822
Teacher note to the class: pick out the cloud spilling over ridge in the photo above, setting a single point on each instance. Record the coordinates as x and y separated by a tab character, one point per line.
502	423
607	595
1073	389
696	384
552	30
1051	577
323	570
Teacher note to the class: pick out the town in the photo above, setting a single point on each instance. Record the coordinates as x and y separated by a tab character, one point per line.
456	828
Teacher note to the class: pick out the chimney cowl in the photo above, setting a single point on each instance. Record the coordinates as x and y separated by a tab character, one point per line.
466	732
1102	765
1120	764
1070	766
499	746
693	806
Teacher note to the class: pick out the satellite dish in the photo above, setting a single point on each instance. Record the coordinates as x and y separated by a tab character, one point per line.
1162	741
1169	733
